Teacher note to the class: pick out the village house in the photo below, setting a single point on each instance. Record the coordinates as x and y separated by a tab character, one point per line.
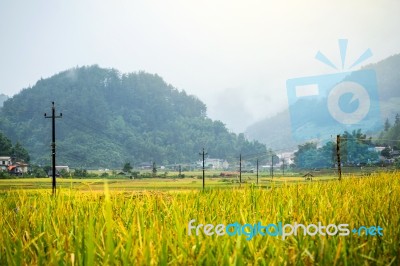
5	161
62	167
215	163
17	168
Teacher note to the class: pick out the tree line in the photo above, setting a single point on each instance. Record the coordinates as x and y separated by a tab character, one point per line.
356	149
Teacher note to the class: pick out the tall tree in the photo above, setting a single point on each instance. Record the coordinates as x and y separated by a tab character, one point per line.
306	155
5	145
387	125
127	167
20	153
356	148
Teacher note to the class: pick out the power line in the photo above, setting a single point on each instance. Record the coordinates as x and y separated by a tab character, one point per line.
368	139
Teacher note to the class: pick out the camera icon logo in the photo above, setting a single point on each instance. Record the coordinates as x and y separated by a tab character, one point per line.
358	93
326	105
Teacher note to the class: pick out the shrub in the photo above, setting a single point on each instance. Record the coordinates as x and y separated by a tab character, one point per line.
104	175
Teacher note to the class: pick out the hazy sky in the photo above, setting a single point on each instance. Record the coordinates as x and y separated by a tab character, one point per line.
234	55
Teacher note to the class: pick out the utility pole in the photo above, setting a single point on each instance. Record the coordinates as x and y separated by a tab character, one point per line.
240	170
203	154
338	157
154	170
53	144
272	166
283	166
257	171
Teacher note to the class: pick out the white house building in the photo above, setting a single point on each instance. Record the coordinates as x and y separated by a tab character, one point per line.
5	161
214	163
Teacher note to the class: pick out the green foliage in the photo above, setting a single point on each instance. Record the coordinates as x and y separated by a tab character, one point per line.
391	136
3	98
135	174
64	173
80	173
355	149
5	145
20	153
145	175
104	175
386	153
309	156
387	125
110	118
127	168
17	151
37	171
47	168
5	175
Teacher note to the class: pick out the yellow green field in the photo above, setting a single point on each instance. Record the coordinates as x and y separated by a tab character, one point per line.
144	222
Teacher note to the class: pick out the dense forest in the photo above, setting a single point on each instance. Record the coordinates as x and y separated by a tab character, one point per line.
3	98
16	152
109	118
390	137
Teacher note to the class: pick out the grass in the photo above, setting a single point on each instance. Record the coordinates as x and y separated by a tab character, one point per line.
118	222
126	184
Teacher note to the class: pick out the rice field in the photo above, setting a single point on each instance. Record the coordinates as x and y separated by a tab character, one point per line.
106	223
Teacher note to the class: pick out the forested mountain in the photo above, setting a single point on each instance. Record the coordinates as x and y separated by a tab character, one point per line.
109	118
275	131
391	135
3	98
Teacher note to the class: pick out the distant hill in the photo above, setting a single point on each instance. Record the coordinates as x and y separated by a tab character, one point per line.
275	131
110	118
3	98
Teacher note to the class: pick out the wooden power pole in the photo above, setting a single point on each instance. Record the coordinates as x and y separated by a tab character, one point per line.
53	144
240	170
272	166
338	157
203	154
257	171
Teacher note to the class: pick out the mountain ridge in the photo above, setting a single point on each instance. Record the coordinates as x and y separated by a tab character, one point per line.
110	118
275	131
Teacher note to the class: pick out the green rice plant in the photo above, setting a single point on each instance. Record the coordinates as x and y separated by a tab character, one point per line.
150	227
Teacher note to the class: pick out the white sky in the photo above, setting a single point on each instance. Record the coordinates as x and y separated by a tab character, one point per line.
234	55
